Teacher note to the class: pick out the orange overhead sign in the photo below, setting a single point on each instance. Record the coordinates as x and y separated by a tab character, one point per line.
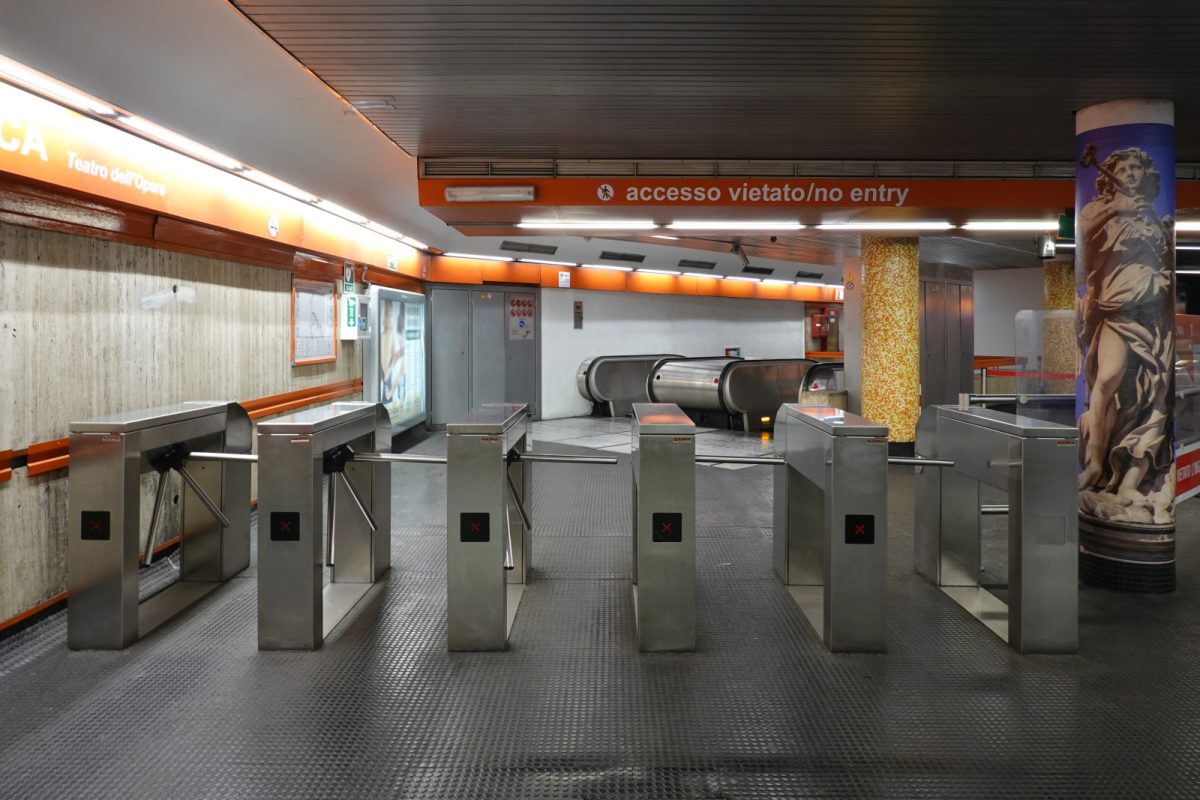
773	192
781	193
48	142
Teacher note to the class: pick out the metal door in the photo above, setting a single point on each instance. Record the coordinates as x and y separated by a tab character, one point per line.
933	344
488	367
951	378
481	352
520	338
450	371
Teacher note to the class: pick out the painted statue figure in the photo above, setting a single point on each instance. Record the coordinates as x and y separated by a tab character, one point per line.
1126	457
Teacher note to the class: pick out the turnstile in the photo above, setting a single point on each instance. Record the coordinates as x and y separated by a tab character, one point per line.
108	457
488	536
664	527
296	454
1035	462
830	540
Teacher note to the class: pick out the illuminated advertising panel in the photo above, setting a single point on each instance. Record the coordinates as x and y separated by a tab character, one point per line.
394	358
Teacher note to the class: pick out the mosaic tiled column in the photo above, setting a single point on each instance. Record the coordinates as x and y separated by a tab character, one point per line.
891	337
1058	340
1125	282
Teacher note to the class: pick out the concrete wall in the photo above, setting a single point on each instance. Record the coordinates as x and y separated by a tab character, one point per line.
75	343
617	323
999	295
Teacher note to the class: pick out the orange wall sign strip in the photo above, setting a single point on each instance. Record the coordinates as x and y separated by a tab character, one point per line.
47	456
47	142
784	192
6	459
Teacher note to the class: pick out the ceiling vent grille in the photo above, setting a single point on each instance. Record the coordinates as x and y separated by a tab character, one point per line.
676	168
915	169
758	270
835	169
688	263
529	247
764	169
575	168
456	167
611	255
540	168
806	276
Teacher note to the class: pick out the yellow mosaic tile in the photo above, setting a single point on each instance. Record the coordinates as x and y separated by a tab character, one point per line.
891	338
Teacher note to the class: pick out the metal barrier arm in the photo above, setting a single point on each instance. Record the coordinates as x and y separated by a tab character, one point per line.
772	460
558	458
917	461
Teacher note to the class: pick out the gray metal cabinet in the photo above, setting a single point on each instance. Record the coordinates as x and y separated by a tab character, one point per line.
482	350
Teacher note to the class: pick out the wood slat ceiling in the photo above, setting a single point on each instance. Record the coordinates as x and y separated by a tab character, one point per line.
886	79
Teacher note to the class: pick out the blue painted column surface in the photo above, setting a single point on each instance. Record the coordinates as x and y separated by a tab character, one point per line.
1125	295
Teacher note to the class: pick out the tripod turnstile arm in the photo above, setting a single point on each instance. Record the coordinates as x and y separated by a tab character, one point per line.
160	496
917	461
400	458
212	507
550	458
358	501
512	492
772	460
247	458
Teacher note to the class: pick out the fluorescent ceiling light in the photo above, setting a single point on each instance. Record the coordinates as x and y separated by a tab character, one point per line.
777	281
809	283
383	230
938	225
1187	272
273	183
606	266
1185	247
662	236
659	271
343	212
700	275
1065	245
1017	225
735	225
740	278
477	257
489	194
547	263
1187	225
596	225
46	85
179	142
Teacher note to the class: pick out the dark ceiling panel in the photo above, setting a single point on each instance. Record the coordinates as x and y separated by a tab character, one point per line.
871	79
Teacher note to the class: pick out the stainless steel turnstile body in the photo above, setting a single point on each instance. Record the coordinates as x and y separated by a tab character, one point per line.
488	536
664	527
108	456
830	543
295	454
1035	462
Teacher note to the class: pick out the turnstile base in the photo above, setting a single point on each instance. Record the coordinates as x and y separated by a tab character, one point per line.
515	591
165	605
337	601
983	605
652	647
811	600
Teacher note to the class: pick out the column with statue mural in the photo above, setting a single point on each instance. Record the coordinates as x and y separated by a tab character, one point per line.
1125	327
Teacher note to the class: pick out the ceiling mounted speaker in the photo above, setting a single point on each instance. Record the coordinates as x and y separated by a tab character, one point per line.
489	194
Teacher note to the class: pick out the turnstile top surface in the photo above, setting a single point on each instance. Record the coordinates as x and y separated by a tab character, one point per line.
835	421
312	420
130	421
489	418
657	418
1028	427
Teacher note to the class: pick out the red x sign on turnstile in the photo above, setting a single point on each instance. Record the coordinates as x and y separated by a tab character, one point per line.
475	528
